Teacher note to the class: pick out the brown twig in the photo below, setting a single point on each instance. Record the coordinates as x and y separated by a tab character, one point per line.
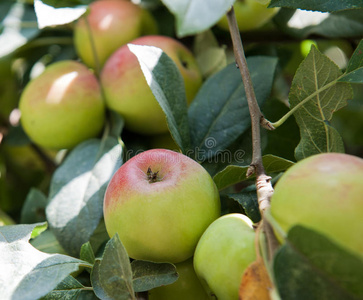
263	182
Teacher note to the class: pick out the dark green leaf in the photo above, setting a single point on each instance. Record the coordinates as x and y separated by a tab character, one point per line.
33	210
283	141
166	83
219	114
14	34
316	83
318	5
77	190
195	16
148	275
69	289
87	253
112	276
248	200
311	266
354	72
233	174
25	272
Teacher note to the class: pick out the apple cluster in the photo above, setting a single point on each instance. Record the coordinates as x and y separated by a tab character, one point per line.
160	202
66	104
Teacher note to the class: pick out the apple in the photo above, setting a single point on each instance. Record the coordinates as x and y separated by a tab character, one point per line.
112	23
63	106
187	286
324	193
127	92
160	202
223	253
250	14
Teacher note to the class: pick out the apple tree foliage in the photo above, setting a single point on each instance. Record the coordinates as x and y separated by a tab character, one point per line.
59	248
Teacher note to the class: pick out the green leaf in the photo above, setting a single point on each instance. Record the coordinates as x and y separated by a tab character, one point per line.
69	289
318	5
25	272
48	16
233	174
354	72
311	266
166	83
111	276
33	210
148	275
14	34
48	243
87	253
248	200
77	190
316	90
219	114
195	16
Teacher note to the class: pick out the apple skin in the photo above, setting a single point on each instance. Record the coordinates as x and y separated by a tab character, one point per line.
323	192
160	221
113	23
63	106
223	253
250	15
187	287
127	92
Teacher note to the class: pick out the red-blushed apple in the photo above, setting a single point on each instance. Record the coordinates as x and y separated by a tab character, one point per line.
112	24
187	286
160	202
323	192
63	106
223	253
250	14
127	92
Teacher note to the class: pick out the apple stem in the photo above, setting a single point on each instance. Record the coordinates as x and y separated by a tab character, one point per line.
152	176
263	181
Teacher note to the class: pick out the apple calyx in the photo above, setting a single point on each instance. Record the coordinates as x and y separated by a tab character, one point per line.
152	176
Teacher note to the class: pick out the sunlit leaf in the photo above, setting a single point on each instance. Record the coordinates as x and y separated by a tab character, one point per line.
316	83
194	16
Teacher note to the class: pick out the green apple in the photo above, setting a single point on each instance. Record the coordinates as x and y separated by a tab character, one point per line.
323	192
160	202
187	286
127	92
250	14
112	23
223	253
63	106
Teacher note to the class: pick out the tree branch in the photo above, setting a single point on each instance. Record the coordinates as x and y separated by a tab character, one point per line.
263	182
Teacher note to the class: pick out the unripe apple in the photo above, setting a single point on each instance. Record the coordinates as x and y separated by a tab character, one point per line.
160	202
250	14
187	286
63	106
223	253
323	192
112	23
126	89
